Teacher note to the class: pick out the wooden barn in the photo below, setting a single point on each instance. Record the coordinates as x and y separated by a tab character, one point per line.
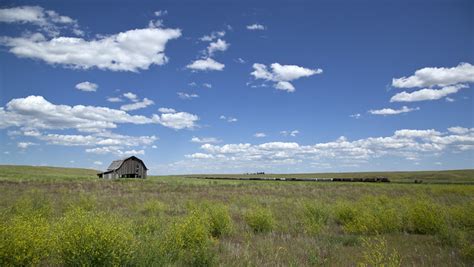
131	167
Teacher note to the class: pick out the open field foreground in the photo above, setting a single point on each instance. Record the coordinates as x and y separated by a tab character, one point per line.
55	216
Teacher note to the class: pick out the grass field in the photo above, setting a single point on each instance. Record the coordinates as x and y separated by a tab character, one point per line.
59	216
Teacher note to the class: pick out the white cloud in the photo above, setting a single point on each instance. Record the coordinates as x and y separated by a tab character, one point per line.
355	116
98	162
48	20
228	119
178	120
208	140
212	36
114	150
132	50
427	77
137	105
405	144
166	110
35	112
114	99
131	96
199	156
25	145
87	86
390	111
240	60
206	64
259	135
207	85
460	130
449	99
219	45
186	95
282	74
427	94
256	27
290	133
160	13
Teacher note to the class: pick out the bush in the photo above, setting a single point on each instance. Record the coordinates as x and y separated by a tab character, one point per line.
424	217
153	207
220	222
260	220
372	215
94	239
189	240
25	241
315	217
344	213
376	253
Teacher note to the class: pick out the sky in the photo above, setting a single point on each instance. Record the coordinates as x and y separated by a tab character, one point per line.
238	86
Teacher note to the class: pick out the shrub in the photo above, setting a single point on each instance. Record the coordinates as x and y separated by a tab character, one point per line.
94	239
25	241
260	219
424	217
376	253
373	215
153	207
344	213
220	222
189	240
315	217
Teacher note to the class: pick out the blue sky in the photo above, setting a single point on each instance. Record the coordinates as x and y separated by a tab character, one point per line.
274	86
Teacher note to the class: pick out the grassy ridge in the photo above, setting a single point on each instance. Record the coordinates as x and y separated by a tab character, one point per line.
448	176
15	172
54	219
20	172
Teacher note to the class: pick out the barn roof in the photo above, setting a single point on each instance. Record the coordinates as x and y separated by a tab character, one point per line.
117	163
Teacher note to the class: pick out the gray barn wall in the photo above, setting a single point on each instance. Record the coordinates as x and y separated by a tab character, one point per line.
132	166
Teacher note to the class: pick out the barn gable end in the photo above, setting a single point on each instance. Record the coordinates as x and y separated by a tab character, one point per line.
131	167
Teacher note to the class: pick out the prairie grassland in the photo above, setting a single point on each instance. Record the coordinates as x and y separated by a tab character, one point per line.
56	216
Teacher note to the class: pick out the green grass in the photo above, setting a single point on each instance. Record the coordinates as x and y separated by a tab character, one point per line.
59	216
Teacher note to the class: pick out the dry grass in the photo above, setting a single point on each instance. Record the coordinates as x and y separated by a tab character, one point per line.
306	229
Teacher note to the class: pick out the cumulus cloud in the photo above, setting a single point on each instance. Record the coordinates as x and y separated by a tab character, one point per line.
427	77
219	45
207	85
48	21
207	64
114	99
208	140
87	86
256	27
211	37
35	112
131	96
290	133
137	104
131	50
160	13
259	135
25	145
186	95
427	94
199	156
178	120
390	111
282	75
228	119
355	116
166	110
404	143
